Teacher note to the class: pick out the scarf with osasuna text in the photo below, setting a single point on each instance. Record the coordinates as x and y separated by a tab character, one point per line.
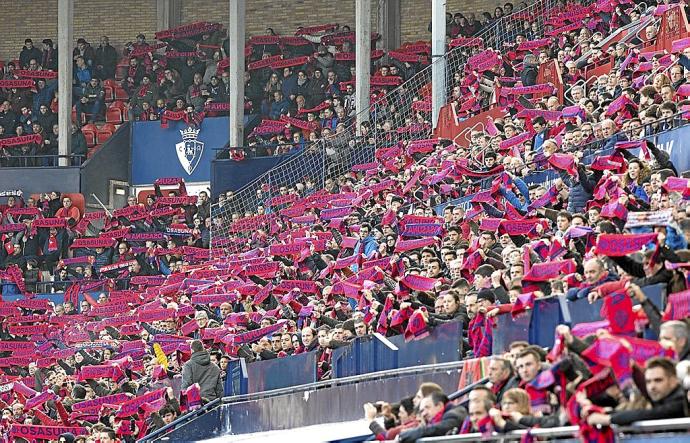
39	432
189	30
21	140
191	119
19	84
620	245
28	73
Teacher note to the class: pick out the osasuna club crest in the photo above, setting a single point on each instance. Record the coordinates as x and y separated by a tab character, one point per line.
189	150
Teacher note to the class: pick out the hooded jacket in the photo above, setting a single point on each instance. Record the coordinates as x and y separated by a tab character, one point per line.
199	369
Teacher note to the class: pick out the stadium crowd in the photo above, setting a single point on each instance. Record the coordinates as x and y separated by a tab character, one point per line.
149	324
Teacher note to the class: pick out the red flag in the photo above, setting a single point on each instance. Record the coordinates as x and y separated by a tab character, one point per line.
617	309
678	306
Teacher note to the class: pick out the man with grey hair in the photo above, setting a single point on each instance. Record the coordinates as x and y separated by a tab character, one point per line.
501	376
577	93
675	334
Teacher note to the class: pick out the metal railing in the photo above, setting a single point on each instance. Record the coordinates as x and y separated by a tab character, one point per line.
325	384
40	161
316	163
647	426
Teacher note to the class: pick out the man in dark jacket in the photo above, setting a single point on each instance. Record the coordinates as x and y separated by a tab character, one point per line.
29	52
650	271
530	71
440	417
199	369
79	146
663	390
106	59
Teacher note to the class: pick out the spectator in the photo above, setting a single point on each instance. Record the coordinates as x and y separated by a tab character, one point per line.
199	369
85	51
501	377
91	101
28	53
663	390
440	417
105	59
49	56
68	211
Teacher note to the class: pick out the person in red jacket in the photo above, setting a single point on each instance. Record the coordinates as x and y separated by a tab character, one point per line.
68	211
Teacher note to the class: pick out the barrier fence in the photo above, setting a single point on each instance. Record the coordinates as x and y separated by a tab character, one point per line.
374	353
400	115
252	386
675	141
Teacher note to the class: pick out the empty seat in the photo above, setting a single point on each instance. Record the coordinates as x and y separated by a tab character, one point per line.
121	94
90	132
113	115
104	133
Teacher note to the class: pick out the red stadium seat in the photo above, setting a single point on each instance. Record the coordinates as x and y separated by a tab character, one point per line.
109	93
121	94
113	115
104	133
90	130
74	117
118	104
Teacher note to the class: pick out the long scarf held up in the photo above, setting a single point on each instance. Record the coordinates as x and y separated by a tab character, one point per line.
481	335
191	119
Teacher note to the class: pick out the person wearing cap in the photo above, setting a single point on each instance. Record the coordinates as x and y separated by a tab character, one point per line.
29	52
106	59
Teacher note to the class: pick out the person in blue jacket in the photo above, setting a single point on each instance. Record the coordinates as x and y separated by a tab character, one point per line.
367	244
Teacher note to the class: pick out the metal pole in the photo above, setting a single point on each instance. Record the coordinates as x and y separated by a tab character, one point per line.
389	23
65	30
236	71
363	59
438	68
